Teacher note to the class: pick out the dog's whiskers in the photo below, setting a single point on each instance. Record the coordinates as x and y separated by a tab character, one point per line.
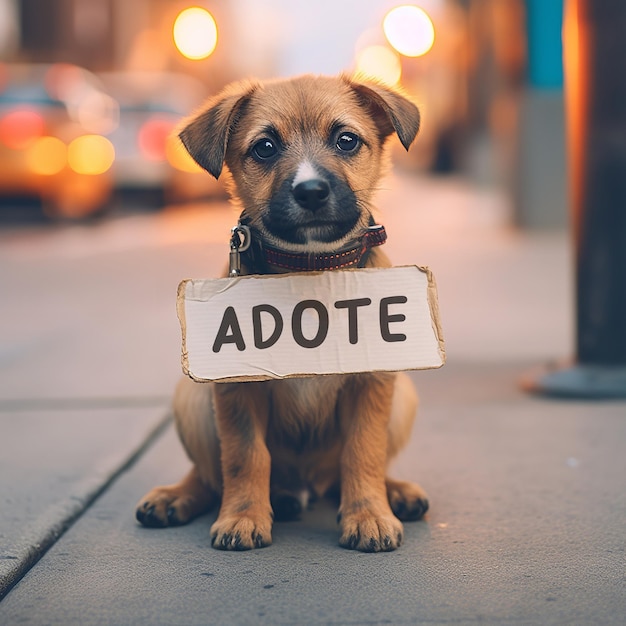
371	189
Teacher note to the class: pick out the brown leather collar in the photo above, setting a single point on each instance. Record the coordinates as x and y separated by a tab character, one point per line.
353	255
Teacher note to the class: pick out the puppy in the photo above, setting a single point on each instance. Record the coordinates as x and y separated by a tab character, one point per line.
304	157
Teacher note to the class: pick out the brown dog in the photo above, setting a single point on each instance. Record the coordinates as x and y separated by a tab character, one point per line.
304	157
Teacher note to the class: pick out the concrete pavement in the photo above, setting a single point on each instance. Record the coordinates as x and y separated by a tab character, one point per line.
528	513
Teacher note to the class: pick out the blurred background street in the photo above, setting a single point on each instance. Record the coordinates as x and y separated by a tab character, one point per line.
102	213
91	90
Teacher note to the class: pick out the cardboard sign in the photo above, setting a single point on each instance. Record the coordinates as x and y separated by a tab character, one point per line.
287	325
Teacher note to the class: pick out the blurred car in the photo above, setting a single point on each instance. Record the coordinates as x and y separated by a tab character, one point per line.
148	153
53	125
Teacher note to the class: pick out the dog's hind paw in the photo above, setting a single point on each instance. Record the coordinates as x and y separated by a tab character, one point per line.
167	506
408	501
288	506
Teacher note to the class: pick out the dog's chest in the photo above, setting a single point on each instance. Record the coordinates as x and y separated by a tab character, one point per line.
305	403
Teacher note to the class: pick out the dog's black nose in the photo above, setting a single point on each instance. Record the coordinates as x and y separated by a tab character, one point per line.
312	194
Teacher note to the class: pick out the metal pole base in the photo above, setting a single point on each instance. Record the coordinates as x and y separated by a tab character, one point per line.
585	382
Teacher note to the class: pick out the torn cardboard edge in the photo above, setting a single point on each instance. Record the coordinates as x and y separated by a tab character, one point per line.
198	325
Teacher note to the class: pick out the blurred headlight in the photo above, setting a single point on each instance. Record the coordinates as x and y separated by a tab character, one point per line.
90	154
47	156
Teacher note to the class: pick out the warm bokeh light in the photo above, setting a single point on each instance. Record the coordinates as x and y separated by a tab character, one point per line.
90	154
20	128
195	33
47	156
381	63
178	156
409	30
153	138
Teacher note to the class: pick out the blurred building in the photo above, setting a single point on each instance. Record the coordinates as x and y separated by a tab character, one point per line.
489	88
105	35
67	30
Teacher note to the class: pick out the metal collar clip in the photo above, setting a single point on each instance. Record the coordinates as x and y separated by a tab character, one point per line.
239	242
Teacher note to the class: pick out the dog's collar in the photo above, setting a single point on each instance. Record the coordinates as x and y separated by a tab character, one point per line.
354	254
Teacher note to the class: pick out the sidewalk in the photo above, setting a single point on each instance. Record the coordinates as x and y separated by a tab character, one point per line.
528	505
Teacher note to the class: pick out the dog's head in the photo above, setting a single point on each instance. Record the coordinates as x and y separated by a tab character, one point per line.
305	154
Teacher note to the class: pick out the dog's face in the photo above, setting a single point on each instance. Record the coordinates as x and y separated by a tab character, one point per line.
305	154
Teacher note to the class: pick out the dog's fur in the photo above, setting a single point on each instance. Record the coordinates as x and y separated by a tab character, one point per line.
278	439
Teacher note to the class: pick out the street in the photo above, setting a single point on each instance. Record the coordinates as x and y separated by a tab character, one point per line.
527	494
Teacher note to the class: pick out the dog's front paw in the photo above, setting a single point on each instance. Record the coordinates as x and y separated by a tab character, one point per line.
368	532
241	532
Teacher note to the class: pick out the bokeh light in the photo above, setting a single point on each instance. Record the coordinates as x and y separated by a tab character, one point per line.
178	156
409	30
381	63
153	138
20	128
90	154
195	33
47	156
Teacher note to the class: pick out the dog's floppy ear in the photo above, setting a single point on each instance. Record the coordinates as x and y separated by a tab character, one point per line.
206	134
391	109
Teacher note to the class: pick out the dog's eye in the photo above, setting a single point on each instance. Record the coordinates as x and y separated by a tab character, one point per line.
348	142
264	149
